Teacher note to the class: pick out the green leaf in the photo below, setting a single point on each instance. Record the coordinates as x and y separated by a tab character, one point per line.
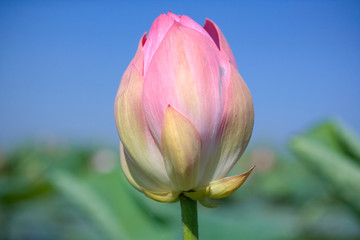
350	140
339	170
115	192
339	137
111	206
87	199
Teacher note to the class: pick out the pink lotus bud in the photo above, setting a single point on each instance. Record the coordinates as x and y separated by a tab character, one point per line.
183	112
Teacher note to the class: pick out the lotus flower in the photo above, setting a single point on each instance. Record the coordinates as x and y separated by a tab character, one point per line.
183	112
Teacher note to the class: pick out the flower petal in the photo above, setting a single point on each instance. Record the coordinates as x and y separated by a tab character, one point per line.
137	176
181	148
224	187
219	188
162	196
125	168
189	73
188	22
219	38
199	193
134	134
174	16
236	125
158	30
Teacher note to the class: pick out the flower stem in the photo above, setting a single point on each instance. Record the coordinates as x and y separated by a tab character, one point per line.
189	218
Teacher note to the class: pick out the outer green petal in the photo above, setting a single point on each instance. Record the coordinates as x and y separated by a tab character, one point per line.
181	148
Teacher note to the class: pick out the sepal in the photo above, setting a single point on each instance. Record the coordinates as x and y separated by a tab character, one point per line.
219	188
224	187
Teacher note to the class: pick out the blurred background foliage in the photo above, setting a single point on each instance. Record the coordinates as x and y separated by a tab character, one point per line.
311	190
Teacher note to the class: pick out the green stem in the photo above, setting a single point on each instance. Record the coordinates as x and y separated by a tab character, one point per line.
189	218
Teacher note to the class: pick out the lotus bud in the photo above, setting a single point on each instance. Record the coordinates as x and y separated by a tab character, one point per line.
183	112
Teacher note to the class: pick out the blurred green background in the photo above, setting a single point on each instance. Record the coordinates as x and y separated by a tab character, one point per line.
50	191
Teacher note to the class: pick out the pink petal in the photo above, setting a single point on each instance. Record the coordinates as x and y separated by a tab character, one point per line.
189	73
188	22
158	30
218	37
174	16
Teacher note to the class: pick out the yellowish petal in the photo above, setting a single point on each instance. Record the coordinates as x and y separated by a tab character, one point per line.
224	187
125	168
142	151
161	196
198	193
181	149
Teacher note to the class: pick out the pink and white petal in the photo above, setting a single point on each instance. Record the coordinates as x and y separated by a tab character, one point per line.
219	38
181	149
189	73
157	32
134	133
236	124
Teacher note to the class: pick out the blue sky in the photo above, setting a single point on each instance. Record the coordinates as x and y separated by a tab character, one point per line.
61	63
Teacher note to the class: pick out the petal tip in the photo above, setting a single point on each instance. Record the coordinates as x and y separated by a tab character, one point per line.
143	39
212	30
